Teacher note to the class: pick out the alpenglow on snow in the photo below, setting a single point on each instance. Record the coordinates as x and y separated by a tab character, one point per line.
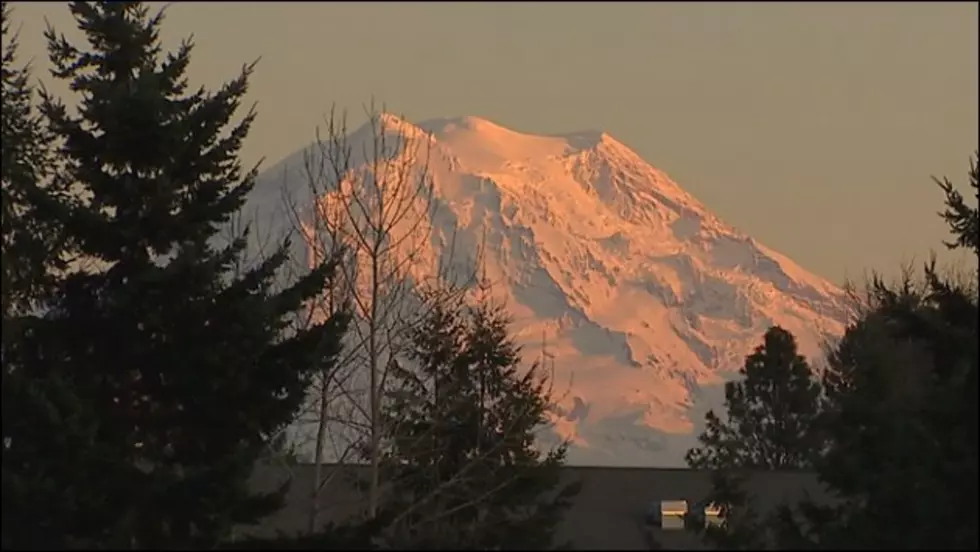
645	300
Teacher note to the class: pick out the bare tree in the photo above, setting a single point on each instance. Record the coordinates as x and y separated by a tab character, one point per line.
372	204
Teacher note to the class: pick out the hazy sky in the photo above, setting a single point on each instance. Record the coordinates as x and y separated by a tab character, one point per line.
813	127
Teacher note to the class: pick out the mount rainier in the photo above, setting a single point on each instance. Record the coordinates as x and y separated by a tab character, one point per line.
646	300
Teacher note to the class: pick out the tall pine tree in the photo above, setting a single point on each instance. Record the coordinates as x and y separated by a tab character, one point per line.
901	413
460	459
185	367
769	426
30	245
44	423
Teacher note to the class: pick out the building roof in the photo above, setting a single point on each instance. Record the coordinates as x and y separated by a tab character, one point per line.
610	512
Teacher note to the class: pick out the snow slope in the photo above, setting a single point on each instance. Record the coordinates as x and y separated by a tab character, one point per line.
646	300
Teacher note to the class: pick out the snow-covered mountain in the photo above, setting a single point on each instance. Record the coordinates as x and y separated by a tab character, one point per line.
645	299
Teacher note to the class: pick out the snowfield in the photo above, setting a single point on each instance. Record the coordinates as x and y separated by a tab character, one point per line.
646	300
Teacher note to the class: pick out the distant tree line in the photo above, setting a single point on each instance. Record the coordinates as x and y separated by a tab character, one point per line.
150	363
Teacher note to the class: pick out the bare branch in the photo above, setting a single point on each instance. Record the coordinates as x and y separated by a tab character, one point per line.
376	211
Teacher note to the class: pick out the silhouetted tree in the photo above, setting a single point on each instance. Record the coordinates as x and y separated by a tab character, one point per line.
183	367
770	425
901	414
373	199
963	220
44	423
460	458
29	245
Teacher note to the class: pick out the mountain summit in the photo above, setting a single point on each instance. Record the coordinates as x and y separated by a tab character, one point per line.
645	299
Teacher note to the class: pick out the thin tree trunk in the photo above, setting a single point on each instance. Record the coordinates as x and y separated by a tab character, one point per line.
375	394
321	430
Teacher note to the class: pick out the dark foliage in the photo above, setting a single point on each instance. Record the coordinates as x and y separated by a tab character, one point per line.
172	367
770	425
460	461
901	413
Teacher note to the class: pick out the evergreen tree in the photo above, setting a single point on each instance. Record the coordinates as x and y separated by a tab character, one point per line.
43	421
963	220
460	425
30	245
770	425
183	367
901	414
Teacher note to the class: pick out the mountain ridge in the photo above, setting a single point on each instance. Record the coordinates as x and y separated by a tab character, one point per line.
647	299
